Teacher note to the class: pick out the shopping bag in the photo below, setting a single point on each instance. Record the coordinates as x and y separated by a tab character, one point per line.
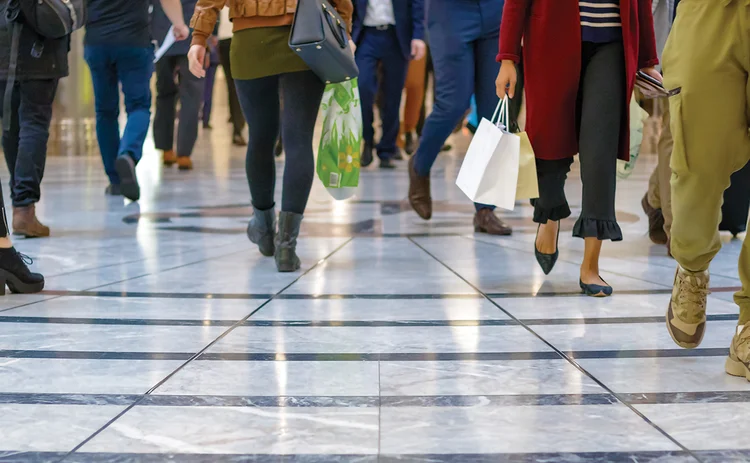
528	183
341	139
637	117
490	171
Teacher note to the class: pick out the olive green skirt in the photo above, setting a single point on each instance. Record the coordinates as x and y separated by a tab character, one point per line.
262	52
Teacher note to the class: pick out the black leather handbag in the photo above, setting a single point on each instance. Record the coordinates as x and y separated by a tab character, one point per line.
319	37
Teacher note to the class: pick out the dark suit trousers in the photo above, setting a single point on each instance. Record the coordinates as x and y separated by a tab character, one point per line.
375	47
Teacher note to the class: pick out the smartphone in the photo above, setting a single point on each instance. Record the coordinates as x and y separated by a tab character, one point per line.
649	79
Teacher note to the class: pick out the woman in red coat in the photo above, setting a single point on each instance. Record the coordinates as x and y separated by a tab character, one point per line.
580	61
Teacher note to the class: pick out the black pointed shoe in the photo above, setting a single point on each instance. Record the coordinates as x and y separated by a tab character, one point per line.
286	242
15	274
596	290
367	157
547	261
262	231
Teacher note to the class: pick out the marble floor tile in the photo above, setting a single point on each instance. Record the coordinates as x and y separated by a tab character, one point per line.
576	428
50	428
484	378
106	338
248	430
274	379
405	339
82	376
436	309
726	429
138	308
669	374
636	336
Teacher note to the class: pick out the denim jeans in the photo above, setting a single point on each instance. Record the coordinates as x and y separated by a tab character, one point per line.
132	68
463	37
25	141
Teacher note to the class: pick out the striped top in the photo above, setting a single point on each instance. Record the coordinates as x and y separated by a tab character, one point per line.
600	21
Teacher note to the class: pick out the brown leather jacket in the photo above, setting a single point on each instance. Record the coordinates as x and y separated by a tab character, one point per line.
247	14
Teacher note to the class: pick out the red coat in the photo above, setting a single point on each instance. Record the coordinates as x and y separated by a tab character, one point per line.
551	32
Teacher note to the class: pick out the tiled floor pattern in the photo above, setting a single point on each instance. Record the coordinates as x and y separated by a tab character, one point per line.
164	336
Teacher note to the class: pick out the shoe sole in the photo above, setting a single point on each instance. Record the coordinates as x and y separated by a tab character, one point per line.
737	368
125	167
16	286
23	234
483	230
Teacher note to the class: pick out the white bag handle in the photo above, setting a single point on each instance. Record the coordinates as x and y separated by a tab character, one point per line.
500	117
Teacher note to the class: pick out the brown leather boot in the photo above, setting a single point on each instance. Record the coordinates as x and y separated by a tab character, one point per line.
485	221
26	224
420	197
655	222
184	163
169	157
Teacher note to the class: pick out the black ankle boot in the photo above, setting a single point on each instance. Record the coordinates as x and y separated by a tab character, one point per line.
286	242
16	275
262	230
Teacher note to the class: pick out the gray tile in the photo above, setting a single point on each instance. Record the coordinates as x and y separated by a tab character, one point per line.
275	379
82	376
576	428
229	430
50	428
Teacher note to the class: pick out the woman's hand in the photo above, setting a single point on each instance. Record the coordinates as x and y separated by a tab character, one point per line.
506	79
652	72
197	59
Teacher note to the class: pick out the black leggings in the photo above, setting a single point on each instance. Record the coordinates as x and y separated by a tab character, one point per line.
601	107
259	98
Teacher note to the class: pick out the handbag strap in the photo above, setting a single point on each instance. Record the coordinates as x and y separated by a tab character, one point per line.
12	70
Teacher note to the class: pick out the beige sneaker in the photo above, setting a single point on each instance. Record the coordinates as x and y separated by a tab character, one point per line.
686	315
738	362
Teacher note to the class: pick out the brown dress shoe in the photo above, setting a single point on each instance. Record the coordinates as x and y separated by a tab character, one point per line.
184	163
485	221
169	157
655	222
26	224
420	197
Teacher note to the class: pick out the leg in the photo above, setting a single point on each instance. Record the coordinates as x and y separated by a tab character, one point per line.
191	96
166	101
302	94
35	115
12	135
134	69
208	94
260	103
367	57
107	104
415	83
452	32
664	173
392	87
235	111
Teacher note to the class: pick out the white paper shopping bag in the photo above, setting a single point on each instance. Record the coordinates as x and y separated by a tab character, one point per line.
489	173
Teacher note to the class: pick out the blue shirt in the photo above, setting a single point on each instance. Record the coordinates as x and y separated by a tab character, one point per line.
118	22
600	21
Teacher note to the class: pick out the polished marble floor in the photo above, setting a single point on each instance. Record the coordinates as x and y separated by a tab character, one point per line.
163	335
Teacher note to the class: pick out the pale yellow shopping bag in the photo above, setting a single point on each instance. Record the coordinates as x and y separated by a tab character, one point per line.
528	184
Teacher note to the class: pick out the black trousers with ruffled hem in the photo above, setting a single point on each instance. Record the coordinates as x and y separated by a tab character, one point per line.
600	109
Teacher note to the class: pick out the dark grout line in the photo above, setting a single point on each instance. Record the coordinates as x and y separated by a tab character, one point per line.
203	350
565	356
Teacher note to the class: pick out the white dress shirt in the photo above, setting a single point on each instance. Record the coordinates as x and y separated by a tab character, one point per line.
380	13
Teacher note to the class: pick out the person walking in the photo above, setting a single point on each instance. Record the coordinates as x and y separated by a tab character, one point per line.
707	49
390	34
463	37
657	203
236	117
416	82
265	68
173	81
41	65
208	88
119	52
594	50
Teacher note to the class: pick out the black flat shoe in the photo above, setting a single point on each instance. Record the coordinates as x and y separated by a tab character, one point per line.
16	275
596	290
547	261
387	164
366	158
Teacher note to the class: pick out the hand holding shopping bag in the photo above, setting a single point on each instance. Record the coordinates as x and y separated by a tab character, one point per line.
341	140
499	166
